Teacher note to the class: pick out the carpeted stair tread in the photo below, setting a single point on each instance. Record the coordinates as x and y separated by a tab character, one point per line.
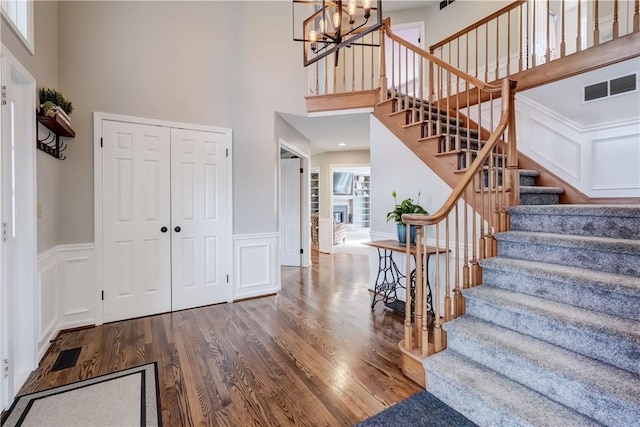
572	241
490	399
595	389
598	335
615	294
618	221
621	256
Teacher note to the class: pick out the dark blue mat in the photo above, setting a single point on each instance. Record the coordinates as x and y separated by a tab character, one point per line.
420	410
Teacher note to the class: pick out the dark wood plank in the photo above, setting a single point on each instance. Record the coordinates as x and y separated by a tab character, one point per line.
313	355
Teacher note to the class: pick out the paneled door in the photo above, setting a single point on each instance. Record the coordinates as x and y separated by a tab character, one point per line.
290	212
164	219
199	220
136	220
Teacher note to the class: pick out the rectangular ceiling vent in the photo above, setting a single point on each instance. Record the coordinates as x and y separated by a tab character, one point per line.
611	87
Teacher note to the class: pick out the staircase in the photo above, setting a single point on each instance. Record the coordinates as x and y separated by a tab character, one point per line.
448	144
552	337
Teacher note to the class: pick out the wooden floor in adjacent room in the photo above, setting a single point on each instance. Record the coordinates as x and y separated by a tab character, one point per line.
313	355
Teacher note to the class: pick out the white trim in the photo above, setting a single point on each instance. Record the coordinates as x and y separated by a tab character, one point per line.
23	309
66	288
252	251
29	40
571	124
98	117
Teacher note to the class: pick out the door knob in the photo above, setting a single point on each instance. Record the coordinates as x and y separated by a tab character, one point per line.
177	229
163	229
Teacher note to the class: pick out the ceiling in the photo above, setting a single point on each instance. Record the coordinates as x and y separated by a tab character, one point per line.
326	132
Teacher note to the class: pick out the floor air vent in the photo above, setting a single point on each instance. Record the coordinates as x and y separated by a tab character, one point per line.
611	87
66	359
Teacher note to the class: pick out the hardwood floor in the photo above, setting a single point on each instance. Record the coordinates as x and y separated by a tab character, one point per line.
313	355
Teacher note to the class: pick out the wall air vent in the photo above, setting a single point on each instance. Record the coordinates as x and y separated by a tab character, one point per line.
622	84
445	3
611	87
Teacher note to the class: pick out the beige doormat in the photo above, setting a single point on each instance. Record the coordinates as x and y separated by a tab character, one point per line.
125	398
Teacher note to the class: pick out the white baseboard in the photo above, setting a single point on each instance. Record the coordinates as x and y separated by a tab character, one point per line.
65	291
256	269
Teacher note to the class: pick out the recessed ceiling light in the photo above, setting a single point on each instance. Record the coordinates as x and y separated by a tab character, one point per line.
342	144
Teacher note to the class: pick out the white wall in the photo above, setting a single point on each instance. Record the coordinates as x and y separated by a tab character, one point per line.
396	168
192	62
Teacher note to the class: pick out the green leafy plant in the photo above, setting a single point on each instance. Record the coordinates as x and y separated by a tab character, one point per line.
407	206
55	97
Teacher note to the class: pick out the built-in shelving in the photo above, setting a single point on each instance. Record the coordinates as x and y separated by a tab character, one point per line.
362	201
315	193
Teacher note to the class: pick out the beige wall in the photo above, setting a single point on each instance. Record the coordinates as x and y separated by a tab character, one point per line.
44	68
324	162
226	64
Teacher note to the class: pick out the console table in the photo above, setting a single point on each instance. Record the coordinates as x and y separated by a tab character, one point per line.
390	278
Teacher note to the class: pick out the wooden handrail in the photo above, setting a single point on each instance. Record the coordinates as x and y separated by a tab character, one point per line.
435	60
478	24
508	86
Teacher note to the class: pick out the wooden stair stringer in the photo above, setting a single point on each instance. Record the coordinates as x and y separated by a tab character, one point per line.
425	150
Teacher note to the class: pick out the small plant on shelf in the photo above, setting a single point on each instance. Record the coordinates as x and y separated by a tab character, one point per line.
50	99
407	206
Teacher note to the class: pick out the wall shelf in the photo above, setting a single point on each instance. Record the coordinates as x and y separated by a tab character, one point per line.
51	144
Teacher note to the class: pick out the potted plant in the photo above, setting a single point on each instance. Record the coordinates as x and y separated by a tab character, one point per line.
407	206
52	103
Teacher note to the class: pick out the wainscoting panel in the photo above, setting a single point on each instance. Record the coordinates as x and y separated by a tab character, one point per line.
616	166
599	160
76	276
257	265
47	308
65	291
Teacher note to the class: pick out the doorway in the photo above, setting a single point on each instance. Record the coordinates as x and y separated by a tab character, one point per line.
351	208
163	207
18	273
294	206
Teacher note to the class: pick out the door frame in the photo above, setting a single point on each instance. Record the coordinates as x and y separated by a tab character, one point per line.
305	202
23	308
98	117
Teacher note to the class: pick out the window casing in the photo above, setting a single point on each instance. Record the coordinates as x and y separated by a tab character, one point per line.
18	14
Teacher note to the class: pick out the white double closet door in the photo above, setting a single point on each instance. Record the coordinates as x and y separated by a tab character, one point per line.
164	219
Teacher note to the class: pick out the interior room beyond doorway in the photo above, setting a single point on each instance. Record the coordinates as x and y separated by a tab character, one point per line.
351	208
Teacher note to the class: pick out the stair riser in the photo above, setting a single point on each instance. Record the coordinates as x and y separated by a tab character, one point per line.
598	344
608	409
599	259
587	297
524	179
614	227
539	199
